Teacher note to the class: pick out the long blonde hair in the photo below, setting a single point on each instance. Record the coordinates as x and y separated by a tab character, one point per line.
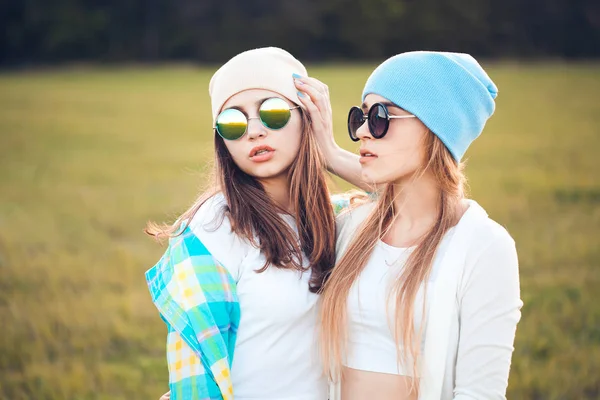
451	181
256	217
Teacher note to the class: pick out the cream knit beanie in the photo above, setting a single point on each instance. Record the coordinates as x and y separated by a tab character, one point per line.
268	68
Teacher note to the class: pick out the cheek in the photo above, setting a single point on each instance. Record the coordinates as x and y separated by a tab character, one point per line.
237	150
409	145
403	154
405	141
288	142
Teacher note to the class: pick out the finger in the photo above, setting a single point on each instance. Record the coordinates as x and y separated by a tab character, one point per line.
314	82
320	96
321	87
320	100
324	89
166	396
309	105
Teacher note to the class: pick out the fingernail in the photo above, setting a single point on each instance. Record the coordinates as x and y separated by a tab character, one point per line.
296	76
300	94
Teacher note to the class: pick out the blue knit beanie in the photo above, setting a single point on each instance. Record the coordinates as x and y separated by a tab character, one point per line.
449	92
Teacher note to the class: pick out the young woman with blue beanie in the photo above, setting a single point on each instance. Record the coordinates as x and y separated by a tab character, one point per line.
424	300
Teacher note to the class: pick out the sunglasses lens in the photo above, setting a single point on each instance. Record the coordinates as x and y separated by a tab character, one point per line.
274	113
231	124
378	121
355	120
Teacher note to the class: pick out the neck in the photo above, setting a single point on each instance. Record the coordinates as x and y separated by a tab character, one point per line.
278	189
417	205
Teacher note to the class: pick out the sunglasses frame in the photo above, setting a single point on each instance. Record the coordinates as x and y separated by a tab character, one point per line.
365	117
250	118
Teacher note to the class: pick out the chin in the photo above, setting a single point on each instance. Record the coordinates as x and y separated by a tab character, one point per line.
267	171
371	178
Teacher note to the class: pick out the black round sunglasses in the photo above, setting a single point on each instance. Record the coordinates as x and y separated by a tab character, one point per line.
378	118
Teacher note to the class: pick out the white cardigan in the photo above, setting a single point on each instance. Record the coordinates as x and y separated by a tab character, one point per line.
475	308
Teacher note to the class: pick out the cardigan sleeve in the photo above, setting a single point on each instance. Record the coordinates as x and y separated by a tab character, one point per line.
489	310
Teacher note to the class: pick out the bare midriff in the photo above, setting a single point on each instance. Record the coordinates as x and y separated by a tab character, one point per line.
368	385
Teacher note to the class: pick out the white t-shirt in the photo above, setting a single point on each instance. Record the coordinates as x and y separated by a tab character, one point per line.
276	354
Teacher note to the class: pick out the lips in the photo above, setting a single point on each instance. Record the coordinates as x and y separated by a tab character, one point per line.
261	153
366	155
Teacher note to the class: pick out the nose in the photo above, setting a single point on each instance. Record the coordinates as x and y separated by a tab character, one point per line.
256	129
363	131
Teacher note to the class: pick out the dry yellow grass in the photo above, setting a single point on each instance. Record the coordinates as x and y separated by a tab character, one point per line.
87	156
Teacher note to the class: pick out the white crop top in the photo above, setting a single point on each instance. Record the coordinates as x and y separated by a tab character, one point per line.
371	311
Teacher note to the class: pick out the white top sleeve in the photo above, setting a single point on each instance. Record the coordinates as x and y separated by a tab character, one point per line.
489	310
213	228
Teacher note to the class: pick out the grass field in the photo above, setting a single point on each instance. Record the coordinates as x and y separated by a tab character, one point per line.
88	155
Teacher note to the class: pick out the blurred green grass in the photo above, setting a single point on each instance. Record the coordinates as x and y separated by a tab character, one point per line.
88	155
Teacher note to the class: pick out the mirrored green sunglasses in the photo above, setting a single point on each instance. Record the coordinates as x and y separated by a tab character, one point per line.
274	113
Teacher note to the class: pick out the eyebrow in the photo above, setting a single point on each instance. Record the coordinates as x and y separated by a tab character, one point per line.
385	103
257	103
390	104
236	108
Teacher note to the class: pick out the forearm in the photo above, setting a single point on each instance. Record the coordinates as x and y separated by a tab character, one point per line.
314	96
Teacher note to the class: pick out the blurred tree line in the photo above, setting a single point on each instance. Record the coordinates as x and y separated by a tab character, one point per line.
51	31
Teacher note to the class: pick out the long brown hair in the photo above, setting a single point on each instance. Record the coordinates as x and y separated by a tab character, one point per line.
256	217
450	180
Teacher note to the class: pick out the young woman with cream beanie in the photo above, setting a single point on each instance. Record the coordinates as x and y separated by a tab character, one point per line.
424	301
239	284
